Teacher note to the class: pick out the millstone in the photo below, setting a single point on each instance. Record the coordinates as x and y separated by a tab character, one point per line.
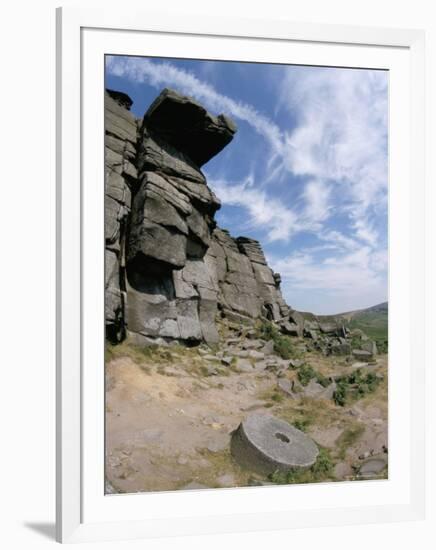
265	444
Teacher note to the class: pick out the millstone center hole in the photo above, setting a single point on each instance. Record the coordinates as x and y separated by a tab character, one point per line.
283	437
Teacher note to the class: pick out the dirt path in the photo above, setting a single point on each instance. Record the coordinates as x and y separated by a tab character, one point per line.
169	417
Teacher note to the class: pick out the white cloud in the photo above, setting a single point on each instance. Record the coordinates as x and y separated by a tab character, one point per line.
279	221
317	201
336	143
340	136
142	69
357	278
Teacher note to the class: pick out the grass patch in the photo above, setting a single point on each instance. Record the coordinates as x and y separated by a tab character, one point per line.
138	354
355	386
305	374
277	397
283	345
301	425
348	438
320	471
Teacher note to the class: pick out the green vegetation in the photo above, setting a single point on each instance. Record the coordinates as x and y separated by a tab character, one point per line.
138	354
301	425
374	323
283	345
305	374
354	386
277	397
348	437
320	471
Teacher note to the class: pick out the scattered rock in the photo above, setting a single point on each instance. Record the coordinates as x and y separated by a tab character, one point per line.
290	328
209	357
171	371
286	387
242	365
256	355
362	355
313	389
193	486
252	344
268	348
218	445
342	470
254	406
109	489
369	346
226	480
254	482
211	371
372	467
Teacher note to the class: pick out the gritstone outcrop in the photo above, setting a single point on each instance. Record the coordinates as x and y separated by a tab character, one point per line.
170	271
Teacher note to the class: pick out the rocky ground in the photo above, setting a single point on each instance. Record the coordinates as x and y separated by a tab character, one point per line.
170	411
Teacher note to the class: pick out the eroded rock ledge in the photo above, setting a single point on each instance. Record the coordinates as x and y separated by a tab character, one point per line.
170	271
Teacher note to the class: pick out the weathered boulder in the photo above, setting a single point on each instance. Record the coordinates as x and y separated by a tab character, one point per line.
372	467
370	346
265	444
362	355
340	348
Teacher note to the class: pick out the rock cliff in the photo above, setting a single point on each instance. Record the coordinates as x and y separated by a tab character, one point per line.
170	271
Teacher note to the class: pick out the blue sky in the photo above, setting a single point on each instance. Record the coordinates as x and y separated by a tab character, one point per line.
306	174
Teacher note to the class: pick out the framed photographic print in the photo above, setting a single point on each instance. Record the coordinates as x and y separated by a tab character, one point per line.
240	275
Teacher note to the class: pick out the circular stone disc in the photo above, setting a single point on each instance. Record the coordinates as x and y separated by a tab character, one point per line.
266	444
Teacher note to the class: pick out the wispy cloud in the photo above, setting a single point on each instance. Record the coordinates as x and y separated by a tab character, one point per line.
358	277
324	170
158	74
340	135
279	221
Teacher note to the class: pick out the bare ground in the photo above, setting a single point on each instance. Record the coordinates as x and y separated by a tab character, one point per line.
169	418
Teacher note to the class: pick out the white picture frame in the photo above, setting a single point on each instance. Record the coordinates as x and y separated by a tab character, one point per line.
83	512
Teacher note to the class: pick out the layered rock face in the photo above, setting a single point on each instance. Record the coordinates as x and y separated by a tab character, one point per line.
121	177
248	287
169	270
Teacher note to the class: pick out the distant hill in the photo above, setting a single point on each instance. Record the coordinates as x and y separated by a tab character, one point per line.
372	320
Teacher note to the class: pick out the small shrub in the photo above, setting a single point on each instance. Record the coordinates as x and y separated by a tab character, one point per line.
323	465
355	385
323	380
321	470
340	394
301	425
277	397
283	345
267	331
305	374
